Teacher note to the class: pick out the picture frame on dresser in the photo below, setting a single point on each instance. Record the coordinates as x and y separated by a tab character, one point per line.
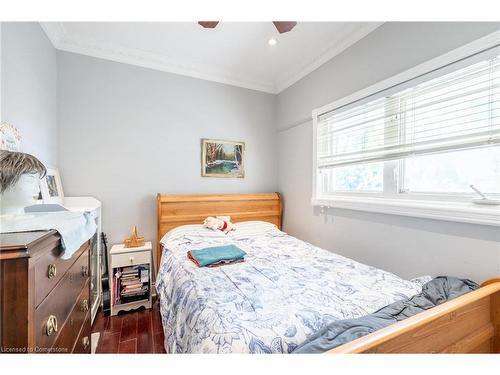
51	187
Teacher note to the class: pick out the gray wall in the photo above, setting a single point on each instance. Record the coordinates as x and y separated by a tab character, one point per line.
406	246
28	86
126	133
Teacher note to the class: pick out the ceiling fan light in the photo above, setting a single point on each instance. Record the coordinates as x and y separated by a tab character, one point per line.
272	42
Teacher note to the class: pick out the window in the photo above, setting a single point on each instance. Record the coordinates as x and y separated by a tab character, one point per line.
453	172
362	177
428	138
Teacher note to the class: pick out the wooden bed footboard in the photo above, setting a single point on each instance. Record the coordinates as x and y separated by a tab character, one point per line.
467	324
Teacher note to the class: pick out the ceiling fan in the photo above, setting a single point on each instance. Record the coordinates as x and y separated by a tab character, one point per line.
281	26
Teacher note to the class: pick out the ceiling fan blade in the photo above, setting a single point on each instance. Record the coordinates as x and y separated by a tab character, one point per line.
208	24
284	26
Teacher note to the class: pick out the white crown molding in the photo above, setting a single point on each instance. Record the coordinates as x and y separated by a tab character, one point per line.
349	40
62	40
54	31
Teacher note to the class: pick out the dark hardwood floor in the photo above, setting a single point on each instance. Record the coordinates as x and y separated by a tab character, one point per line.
132	332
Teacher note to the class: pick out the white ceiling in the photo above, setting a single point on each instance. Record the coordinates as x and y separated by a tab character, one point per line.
234	53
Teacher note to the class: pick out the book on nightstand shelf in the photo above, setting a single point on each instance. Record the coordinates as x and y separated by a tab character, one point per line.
131	284
131	270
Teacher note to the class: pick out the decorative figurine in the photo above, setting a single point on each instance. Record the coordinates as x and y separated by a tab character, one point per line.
134	240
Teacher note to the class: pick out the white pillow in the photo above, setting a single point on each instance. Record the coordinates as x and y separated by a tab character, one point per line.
247	229
191	231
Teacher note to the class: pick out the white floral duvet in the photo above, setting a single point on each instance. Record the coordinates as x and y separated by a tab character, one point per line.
284	291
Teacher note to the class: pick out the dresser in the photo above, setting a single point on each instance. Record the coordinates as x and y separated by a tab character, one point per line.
44	299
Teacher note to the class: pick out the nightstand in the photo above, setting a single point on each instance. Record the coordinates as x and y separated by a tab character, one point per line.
130	273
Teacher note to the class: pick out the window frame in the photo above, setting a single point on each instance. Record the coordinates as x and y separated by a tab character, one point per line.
393	200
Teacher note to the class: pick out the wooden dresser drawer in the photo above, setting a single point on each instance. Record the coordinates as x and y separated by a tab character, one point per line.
83	344
66	339
50	268
56	307
128	259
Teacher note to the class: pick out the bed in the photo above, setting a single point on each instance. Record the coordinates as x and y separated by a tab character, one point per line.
275	299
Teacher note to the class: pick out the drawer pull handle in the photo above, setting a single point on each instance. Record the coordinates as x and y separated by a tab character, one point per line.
85	342
51	326
85	271
131	259
85	305
51	271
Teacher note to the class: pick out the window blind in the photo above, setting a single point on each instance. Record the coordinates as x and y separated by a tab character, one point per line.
454	111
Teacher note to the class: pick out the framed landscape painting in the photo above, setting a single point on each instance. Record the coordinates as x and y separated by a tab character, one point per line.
222	158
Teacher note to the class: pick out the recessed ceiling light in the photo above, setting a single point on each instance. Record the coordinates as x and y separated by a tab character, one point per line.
272	42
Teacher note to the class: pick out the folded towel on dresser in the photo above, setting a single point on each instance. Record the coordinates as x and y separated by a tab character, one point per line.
74	227
216	256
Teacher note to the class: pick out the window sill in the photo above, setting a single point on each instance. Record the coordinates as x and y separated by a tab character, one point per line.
463	212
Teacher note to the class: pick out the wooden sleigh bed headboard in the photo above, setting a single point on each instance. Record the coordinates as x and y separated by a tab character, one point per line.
177	210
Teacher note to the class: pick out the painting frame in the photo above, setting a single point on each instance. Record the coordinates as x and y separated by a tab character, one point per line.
51	187
222	174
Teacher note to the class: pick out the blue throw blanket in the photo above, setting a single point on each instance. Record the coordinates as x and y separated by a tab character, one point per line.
435	292
217	255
